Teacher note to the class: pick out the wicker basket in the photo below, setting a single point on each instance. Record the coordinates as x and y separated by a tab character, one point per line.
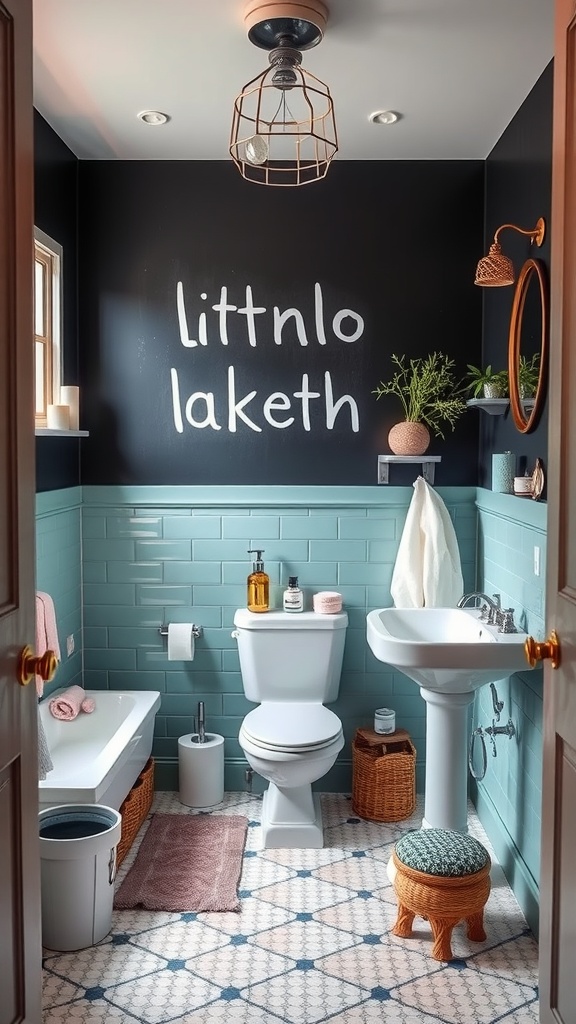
383	775
135	808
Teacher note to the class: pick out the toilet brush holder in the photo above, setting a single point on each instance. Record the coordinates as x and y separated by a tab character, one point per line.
201	769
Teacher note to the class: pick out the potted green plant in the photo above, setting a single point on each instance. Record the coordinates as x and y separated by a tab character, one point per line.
528	375
431	397
484	382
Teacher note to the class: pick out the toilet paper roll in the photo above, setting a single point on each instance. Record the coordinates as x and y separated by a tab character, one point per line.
201	770
180	641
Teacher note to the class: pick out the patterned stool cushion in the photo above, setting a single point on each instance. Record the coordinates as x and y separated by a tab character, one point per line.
440	851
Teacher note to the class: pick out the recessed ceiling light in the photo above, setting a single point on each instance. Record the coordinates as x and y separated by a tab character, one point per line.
383	117
153	117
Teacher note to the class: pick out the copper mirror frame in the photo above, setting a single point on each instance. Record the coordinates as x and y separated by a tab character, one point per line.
525	419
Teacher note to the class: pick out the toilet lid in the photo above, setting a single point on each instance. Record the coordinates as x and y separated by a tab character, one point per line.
280	726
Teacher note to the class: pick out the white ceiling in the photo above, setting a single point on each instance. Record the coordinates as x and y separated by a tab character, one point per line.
457	71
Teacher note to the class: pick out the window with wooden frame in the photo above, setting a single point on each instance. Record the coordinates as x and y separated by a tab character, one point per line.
47	324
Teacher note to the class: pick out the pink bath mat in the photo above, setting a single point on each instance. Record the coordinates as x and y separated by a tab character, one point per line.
186	862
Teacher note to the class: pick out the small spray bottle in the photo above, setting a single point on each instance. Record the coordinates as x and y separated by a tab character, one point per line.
258	584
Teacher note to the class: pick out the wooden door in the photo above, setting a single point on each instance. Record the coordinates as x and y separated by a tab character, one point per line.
20	943
558	860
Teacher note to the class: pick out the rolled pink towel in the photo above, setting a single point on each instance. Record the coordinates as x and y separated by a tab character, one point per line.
68	705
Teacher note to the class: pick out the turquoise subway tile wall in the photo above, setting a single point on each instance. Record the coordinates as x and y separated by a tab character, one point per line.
159	555
508	799
59	573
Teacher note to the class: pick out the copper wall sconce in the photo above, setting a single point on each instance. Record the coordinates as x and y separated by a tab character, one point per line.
496	270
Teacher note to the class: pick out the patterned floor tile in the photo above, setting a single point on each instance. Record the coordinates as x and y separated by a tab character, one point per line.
305	996
97	1012
232	1010
312	944
526	1015
105	965
255	916
304	940
516	960
380	1009
356	834
360	915
258	872
358	871
162	996
235	966
451	992
56	990
303	894
305	859
180	940
373	963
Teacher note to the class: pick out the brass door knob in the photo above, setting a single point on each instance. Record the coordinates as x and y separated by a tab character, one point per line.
538	651
29	665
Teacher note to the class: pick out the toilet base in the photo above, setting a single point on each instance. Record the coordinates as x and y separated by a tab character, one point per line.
291	819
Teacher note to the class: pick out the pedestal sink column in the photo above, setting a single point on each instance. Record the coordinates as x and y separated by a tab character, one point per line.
446	787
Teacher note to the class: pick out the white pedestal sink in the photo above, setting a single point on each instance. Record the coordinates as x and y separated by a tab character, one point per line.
449	652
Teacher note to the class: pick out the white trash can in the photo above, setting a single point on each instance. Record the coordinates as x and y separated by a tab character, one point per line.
77	869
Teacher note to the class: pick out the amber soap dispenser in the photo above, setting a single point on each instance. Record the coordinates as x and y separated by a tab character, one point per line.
258	584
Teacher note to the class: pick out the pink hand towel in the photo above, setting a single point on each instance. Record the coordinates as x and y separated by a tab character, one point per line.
46	632
69	704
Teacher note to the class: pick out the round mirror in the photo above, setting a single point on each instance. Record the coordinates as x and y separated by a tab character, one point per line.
527	346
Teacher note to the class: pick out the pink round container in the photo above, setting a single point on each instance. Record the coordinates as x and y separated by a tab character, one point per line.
327	602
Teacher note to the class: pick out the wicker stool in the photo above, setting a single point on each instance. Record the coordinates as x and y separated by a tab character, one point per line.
443	876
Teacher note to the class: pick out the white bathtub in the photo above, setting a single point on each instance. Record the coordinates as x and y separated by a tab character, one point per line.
98	757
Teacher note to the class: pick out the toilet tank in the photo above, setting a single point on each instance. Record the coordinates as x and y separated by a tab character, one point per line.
290	657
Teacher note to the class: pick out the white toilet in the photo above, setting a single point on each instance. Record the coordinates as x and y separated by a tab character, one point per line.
291	665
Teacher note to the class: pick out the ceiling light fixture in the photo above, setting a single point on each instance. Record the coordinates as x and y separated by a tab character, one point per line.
384	117
153	117
283	126
497	270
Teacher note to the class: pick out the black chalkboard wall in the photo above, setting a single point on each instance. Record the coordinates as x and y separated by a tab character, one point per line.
518	191
56	213
189	376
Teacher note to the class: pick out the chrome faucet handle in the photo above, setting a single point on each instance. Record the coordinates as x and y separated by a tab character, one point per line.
495	609
484	610
497	704
507	624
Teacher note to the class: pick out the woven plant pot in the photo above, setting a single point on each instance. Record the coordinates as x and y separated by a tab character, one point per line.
408	438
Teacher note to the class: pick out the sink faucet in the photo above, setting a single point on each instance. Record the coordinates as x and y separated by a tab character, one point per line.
493	603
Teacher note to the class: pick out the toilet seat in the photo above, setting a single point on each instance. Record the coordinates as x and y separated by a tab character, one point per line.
293	728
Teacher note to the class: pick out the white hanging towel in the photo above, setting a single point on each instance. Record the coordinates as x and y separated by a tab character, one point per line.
427	572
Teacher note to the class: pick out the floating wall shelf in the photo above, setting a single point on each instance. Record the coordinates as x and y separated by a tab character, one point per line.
428	463
496	406
493	406
48	432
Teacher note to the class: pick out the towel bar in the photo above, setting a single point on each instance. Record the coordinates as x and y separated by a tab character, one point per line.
196	630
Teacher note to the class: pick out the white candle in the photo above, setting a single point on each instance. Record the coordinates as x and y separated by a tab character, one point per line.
70	396
58	417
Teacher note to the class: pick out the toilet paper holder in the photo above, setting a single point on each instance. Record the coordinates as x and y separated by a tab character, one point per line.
196	630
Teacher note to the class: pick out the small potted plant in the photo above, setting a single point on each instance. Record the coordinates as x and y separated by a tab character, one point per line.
528	375
430	396
484	382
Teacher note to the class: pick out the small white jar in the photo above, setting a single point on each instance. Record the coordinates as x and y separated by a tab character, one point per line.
384	720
